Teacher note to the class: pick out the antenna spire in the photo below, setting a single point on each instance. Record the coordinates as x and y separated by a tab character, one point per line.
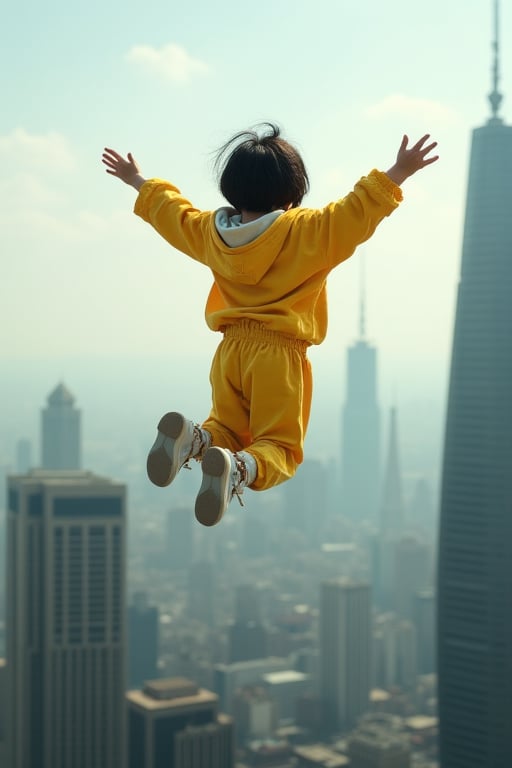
362	307
495	97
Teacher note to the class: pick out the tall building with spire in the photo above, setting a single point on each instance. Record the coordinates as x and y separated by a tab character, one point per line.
475	553
60	431
392	508
360	468
391	522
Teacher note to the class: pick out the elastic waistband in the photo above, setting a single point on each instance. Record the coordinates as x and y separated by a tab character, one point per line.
254	331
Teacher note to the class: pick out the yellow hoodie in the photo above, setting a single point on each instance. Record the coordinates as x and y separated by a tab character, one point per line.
278	279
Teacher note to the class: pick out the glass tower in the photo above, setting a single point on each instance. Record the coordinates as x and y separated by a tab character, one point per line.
475	556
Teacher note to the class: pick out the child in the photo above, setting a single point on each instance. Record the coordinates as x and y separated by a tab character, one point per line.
270	260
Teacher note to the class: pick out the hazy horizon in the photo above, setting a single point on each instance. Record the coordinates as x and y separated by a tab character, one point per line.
121	405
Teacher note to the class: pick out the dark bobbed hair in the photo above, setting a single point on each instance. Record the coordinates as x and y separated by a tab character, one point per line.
259	171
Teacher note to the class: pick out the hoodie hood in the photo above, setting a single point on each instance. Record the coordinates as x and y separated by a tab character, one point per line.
235	233
246	251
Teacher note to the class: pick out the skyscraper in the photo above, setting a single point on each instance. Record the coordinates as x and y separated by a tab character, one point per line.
475	555
173	723
345	652
202	595
392	507
247	636
143	640
391	523
412	573
425	621
60	431
65	620
360	469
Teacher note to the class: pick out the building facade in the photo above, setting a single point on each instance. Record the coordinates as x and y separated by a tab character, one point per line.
345	652
143	640
65	621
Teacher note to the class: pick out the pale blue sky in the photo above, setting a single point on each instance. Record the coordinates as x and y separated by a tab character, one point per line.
81	276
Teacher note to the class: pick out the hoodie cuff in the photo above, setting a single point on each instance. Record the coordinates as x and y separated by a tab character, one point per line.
147	193
392	191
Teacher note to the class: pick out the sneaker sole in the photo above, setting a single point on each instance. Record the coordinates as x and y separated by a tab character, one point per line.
161	467
210	502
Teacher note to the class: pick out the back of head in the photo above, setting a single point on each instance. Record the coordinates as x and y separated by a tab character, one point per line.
261	172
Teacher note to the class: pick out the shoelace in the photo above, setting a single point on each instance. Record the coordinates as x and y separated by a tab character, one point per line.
238	487
198	447
199	444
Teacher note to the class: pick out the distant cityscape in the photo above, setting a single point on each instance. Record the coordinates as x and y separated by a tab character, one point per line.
291	622
334	621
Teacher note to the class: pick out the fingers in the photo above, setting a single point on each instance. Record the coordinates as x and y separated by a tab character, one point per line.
422	151
405	141
111	158
420	142
113	164
430	160
112	153
430	147
117	162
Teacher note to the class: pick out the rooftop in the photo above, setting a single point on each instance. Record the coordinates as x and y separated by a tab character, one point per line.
288	676
60	396
422	722
322	755
171	693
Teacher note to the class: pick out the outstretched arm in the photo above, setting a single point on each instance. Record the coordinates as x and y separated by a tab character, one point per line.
126	170
408	161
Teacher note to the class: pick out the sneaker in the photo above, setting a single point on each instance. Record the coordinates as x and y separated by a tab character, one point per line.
224	476
173	447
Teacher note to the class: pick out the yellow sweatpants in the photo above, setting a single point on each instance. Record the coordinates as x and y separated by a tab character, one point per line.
261	399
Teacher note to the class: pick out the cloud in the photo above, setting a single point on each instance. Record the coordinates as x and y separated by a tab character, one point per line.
38	171
397	104
49	150
41	200
171	61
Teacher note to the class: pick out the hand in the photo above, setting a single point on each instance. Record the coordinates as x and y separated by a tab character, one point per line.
408	161
126	170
